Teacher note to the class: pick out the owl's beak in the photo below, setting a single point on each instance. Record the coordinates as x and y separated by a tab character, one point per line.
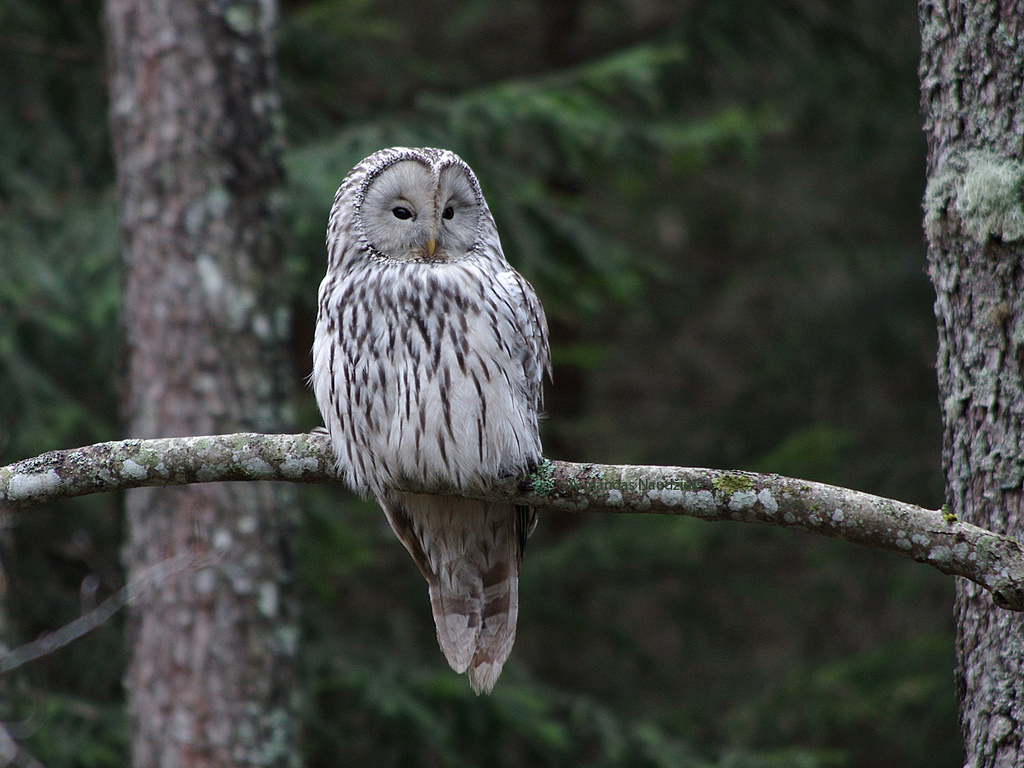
431	247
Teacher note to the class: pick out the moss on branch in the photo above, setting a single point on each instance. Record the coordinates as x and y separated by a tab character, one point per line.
935	537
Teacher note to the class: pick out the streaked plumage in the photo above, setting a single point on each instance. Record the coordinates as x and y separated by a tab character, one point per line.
427	365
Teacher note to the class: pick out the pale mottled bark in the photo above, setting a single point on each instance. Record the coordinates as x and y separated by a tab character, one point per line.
935	537
972	70
195	129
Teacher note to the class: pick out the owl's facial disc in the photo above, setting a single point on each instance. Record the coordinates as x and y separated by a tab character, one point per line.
409	213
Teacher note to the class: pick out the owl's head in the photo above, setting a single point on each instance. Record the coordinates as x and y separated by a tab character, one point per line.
418	205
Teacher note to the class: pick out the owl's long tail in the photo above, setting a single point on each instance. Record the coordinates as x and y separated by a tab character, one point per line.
470	552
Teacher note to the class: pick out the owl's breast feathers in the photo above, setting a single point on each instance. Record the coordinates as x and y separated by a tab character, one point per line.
429	372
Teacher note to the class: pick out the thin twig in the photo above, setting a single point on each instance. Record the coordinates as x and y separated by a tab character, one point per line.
12	754
102	613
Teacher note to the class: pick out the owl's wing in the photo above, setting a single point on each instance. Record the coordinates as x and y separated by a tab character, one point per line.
533	328
532	325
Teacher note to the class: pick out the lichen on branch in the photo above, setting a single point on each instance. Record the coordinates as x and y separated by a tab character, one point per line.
935	537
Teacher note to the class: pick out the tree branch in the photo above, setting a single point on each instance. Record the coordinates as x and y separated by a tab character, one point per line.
935	537
98	616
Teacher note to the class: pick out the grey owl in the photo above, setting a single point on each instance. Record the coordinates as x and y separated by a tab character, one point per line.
427	365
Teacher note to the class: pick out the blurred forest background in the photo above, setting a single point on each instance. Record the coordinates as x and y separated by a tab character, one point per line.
718	202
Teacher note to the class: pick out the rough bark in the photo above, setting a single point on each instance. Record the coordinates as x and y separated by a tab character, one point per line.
935	537
972	71
194	115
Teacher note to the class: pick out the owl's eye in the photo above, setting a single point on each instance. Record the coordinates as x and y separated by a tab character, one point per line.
448	213
401	212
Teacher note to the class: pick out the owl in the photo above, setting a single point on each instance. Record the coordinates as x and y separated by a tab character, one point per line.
427	364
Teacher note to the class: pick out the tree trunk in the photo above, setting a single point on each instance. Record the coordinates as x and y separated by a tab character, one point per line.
194	113
972	67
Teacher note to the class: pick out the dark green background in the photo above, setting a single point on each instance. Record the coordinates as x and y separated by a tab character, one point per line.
719	204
